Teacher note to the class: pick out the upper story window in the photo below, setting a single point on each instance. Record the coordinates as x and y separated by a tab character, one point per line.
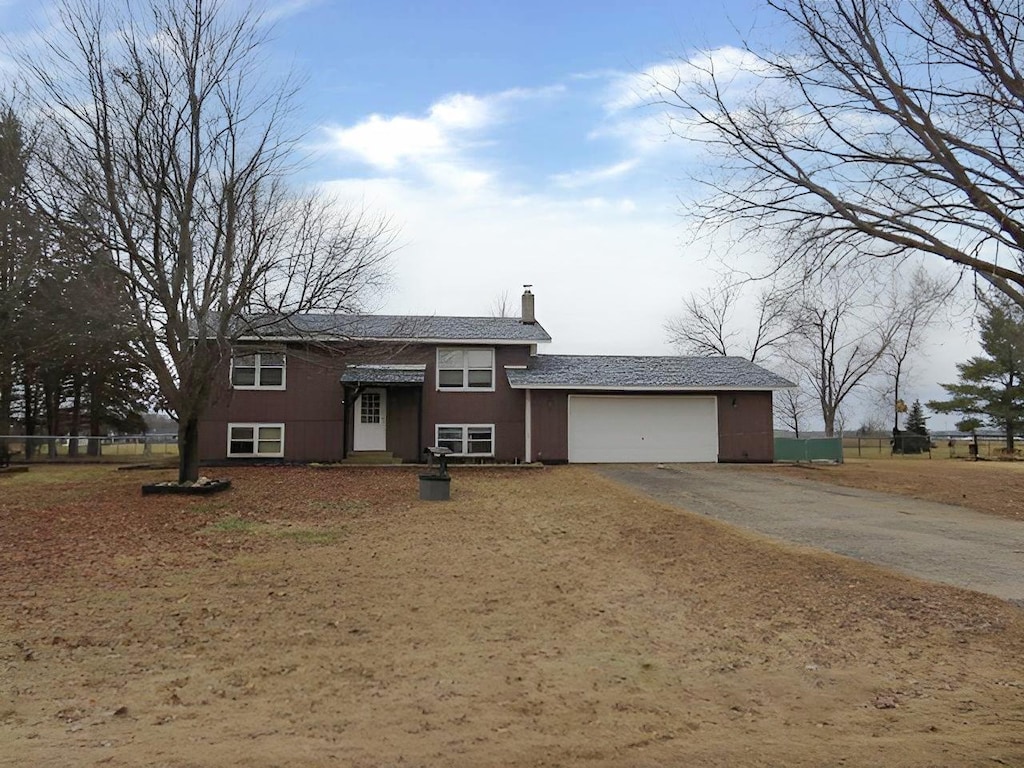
465	369
258	370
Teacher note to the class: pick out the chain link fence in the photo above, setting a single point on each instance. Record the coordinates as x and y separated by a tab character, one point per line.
936	448
25	448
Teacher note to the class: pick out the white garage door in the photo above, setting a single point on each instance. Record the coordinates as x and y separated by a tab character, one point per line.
642	429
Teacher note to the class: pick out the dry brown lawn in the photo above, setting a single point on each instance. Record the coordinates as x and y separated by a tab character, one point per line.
992	487
541	618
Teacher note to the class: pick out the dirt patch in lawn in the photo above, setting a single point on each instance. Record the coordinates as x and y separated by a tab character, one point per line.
992	487
541	618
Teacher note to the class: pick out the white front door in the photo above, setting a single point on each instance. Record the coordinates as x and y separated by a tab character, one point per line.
370	431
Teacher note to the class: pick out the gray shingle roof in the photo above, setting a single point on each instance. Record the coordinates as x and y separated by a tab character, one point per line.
404	328
382	374
634	372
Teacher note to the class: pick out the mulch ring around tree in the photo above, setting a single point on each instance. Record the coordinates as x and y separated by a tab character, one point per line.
201	487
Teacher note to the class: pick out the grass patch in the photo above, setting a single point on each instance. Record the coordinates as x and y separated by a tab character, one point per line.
53	475
288	533
309	536
232	525
350	507
208	507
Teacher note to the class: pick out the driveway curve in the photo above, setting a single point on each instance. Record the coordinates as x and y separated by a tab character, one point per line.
932	541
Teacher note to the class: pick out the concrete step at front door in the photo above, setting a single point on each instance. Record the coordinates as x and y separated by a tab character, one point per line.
371	457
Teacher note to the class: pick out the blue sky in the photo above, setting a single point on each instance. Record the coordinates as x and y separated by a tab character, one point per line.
506	140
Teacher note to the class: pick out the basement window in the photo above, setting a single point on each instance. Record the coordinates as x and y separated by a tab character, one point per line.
256	440
466	439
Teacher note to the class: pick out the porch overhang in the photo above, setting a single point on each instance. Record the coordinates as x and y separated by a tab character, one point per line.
367	375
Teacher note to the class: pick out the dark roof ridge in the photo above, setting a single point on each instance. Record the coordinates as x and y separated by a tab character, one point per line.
454	328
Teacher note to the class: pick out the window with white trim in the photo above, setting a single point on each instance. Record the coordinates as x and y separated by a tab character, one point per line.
465	369
465	439
258	370
256	440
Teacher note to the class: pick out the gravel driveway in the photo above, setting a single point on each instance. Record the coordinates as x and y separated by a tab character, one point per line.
928	540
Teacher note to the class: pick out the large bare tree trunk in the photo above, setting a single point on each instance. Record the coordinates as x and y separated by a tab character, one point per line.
29	392
76	414
95	413
5	408
830	423
52	392
188	449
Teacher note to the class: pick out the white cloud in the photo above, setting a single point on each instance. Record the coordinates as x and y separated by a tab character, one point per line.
604	263
437	146
434	149
285	8
589	177
639	106
730	66
387	142
463	112
607	270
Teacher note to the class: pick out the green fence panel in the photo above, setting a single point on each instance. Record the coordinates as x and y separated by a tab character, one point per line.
809	449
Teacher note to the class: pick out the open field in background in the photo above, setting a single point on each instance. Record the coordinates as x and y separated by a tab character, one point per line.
542	617
120	447
880	448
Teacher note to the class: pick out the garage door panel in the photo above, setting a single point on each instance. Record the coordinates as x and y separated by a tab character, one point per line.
642	429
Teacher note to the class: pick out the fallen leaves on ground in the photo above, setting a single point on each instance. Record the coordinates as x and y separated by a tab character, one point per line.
541	618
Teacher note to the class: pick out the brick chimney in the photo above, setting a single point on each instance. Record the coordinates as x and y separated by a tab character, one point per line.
528	317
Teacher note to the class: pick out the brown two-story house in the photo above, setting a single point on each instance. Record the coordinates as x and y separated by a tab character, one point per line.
328	387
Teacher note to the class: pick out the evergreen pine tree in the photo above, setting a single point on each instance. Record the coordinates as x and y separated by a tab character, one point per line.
916	420
991	386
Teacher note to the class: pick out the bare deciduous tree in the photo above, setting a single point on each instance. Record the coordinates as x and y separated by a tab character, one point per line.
894	128
792	405
707	324
503	306
915	303
841	338
702	328
162	115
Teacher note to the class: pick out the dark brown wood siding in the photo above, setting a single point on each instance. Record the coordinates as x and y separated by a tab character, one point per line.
549	425
403	436
505	407
745	427
317	410
310	407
